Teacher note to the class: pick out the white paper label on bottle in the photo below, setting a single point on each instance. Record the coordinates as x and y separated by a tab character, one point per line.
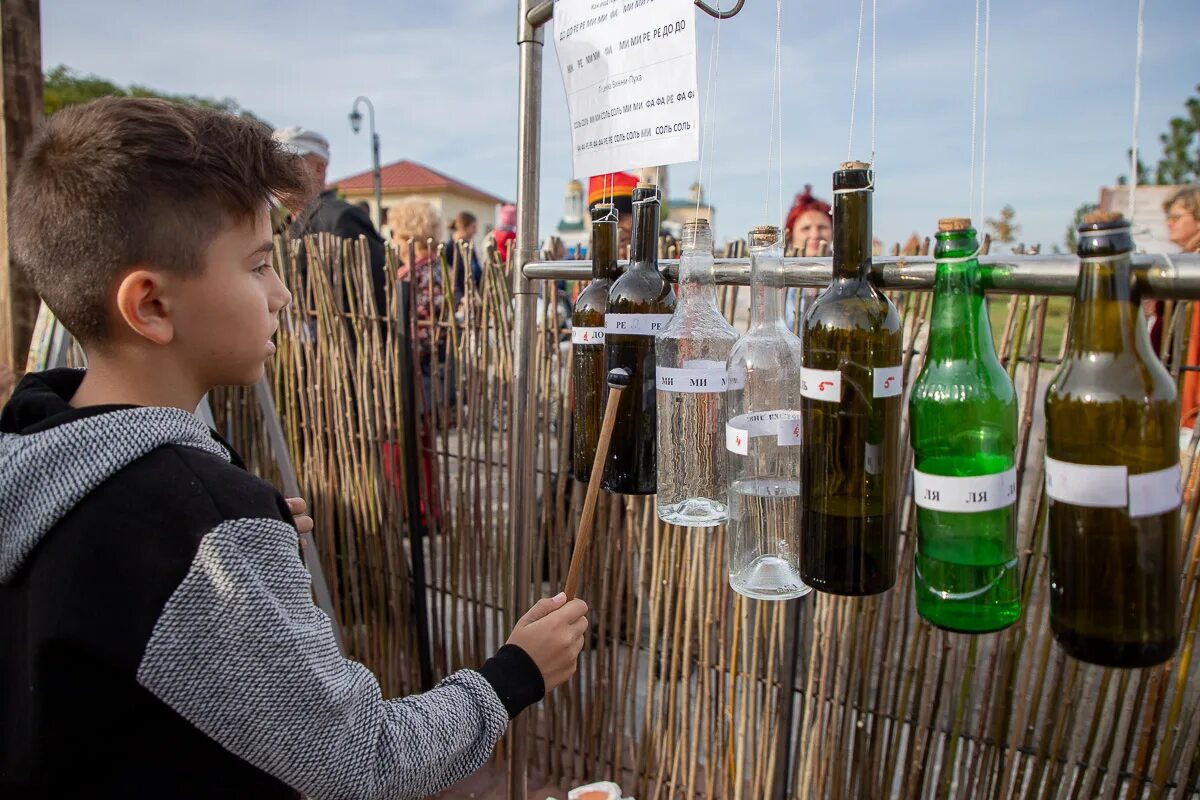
790	431
636	324
889	381
737	440
821	384
965	495
872	458
736	379
1155	492
587	336
1087	484
692	380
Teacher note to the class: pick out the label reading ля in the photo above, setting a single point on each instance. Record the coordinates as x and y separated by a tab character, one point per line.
587	336
965	495
636	324
694	380
821	384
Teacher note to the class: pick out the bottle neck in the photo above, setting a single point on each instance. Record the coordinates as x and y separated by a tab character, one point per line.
959	326
643	249
766	283
697	283
1105	318
852	234
604	250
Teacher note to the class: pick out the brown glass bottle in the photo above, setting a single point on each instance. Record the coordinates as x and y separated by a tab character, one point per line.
851	398
589	391
640	304
1112	470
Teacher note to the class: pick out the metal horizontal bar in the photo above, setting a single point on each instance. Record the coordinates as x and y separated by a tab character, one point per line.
540	14
1170	277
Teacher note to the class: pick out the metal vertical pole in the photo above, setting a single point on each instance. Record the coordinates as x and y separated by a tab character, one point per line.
521	424
377	175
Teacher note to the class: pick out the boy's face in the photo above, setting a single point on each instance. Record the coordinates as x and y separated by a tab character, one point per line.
230	311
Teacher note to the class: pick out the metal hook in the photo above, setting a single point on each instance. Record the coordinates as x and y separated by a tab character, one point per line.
712	12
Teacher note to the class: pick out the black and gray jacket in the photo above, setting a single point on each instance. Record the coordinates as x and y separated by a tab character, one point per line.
158	637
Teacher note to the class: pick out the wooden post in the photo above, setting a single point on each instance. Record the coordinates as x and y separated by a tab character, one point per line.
21	98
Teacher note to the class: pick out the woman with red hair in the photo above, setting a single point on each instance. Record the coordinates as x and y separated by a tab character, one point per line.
809	227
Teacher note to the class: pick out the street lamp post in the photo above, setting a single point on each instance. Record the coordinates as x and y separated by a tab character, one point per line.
376	174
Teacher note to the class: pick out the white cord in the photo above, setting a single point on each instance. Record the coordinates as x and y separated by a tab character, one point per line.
776	126
713	66
987	57
1137	108
974	97
873	18
862	5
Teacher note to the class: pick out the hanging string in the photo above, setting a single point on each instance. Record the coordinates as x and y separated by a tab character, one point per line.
776	124
862	5
1137	108
987	56
873	18
713	67
974	98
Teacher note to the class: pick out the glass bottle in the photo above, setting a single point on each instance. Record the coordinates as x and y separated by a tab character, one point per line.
640	304
963	425
851	405
587	338
763	437
1112	470
690	375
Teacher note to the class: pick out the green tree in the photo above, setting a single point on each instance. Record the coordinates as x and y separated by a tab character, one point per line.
63	86
1004	229
1180	162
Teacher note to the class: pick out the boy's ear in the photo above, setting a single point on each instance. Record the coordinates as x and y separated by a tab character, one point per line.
142	304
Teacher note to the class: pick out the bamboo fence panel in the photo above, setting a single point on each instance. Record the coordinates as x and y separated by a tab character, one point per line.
679	693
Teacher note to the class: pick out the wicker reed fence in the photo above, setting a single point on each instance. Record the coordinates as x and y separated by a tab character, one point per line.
687	690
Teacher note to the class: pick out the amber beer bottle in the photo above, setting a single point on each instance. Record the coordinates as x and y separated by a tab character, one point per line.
587	339
1112	470
851	397
640	305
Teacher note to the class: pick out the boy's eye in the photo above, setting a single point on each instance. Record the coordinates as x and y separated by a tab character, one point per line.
262	268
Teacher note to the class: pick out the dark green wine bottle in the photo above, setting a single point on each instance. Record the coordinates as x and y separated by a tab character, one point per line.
589	389
963	423
851	397
1112	470
640	305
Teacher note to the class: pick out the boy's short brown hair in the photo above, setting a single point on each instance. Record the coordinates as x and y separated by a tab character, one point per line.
121	182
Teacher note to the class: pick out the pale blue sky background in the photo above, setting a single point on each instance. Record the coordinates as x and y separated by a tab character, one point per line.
443	78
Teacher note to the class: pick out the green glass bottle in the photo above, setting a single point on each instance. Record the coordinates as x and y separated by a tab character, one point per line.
589	389
851	394
1112	470
640	305
963	422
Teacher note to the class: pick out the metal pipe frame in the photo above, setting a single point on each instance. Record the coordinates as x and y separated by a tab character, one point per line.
1175	276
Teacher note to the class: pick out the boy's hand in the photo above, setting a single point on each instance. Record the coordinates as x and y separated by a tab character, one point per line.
551	633
299	509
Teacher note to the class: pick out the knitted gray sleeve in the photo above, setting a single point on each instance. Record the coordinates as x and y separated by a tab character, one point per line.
242	653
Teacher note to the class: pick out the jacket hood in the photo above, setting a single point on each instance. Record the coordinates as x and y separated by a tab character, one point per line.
52	455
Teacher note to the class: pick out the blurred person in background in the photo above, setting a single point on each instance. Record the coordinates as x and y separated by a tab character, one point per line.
1183	228
808	229
506	230
616	188
463	228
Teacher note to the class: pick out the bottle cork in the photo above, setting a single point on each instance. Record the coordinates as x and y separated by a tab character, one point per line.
1101	217
854	165
948	224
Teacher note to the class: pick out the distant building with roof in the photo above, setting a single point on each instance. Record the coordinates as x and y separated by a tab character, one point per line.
404	178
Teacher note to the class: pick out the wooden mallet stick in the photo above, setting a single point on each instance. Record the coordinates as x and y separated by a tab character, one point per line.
618	379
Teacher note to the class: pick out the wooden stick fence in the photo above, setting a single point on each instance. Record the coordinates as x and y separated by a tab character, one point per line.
678	695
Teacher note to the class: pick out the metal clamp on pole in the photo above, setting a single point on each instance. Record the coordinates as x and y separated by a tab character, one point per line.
1175	277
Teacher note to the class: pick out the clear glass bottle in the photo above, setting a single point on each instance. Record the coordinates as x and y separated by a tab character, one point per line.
963	423
691	357
640	305
763	437
590	391
852	396
1112	470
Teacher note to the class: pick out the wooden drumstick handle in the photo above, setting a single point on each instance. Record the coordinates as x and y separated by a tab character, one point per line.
618	379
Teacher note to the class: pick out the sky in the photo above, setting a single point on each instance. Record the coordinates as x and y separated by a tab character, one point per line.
443	78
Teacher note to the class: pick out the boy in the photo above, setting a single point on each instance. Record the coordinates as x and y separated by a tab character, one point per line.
158	637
